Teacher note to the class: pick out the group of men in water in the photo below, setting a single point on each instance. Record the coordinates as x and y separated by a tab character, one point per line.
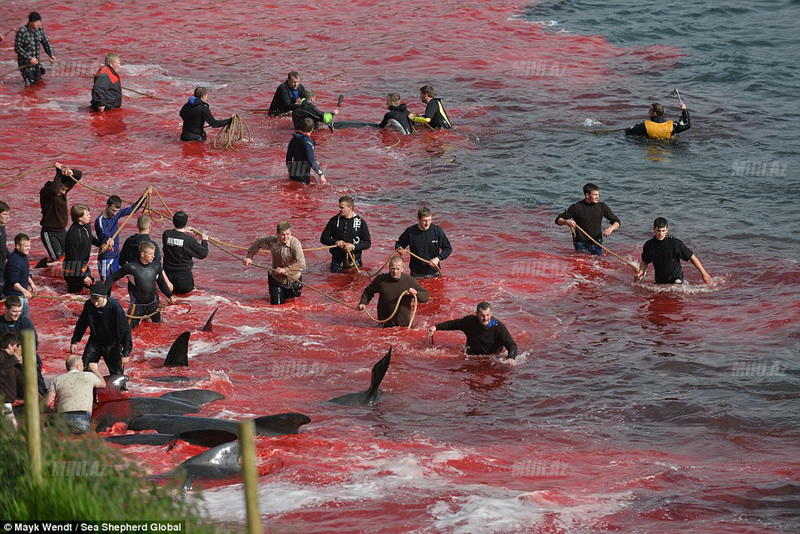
346	234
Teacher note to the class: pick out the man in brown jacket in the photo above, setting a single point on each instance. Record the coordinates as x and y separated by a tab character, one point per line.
288	262
389	287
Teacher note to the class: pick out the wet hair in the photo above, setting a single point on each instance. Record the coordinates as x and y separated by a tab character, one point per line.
347	199
72	361
114	200
111	57
9	338
200	92
588	188
146	245
308	94
283	226
144	222
307	125
657	108
393	98
424	211
13	301
294	75
19	238
4	206
427	90
482	306
660	222
77	211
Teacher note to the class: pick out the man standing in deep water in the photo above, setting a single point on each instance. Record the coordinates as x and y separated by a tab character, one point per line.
588	214
657	127
287	95
196	113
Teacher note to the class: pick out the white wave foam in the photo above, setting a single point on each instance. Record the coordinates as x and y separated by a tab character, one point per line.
592	122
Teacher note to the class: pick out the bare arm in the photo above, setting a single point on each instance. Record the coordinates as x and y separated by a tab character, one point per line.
696	262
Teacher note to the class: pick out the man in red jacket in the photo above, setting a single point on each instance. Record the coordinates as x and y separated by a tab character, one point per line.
107	87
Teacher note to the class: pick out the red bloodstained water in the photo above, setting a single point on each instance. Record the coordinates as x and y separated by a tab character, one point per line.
457	444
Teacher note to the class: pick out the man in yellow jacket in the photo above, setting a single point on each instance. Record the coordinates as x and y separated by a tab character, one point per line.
657	127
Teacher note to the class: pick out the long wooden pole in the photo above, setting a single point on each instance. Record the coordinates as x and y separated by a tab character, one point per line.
32	423
247	447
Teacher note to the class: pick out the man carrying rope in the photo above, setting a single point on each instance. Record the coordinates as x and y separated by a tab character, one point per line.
53	203
106	227
195	114
109	331
390	287
179	249
588	214
288	261
350	234
143	276
427	244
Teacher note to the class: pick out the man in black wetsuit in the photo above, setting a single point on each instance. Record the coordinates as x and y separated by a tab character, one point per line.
426	240
398	113
435	116
130	249
109	332
143	275
349	232
485	334
195	114
78	249
657	127
179	249
300	159
307	109
588	214
287	95
665	253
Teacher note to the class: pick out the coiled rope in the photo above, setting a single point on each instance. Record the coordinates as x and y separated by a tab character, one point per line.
233	132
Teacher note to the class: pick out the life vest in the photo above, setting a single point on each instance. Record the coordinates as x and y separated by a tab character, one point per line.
659	130
108	71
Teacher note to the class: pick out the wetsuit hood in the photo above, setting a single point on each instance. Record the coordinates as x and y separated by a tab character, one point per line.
194	101
401	107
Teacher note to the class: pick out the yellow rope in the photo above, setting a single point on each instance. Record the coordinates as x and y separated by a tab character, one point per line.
396	309
145	196
149	315
25	173
326	247
631	265
232	133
